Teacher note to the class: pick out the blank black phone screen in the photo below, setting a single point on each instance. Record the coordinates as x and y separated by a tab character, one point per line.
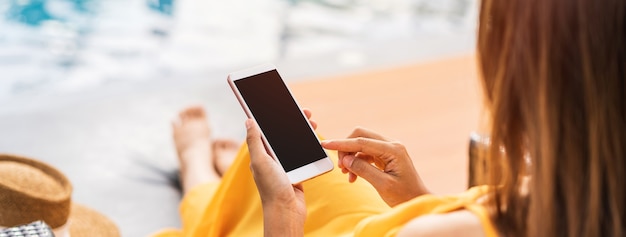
280	119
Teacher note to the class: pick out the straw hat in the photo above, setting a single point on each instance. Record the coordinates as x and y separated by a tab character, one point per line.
31	190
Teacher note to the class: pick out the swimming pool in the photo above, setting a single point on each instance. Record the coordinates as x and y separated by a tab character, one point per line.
69	45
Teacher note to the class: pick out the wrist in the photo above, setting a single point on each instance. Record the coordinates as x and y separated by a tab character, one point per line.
280	219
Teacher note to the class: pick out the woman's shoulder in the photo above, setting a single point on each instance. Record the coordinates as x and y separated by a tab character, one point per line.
456	223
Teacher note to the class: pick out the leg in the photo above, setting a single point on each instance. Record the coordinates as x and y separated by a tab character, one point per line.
192	138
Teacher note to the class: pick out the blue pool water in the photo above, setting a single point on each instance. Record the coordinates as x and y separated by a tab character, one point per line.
69	45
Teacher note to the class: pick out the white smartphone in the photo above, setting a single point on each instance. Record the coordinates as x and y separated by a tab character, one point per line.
286	132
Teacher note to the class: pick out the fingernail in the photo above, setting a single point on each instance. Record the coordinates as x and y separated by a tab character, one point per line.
248	123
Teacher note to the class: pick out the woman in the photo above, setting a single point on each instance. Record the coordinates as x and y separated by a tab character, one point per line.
553	74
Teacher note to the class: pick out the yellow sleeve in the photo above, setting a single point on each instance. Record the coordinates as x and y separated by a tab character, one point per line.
390	222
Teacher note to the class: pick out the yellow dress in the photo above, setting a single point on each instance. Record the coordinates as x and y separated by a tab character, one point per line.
335	207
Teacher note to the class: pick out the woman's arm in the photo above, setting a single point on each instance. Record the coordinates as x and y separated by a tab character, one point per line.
284	210
281	220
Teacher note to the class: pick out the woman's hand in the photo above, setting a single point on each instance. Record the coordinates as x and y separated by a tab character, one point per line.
383	163
284	209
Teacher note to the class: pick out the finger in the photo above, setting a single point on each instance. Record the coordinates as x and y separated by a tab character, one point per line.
369	159
339	158
365	157
313	124
379	163
368	146
307	113
255	144
363	169
356	133
352	177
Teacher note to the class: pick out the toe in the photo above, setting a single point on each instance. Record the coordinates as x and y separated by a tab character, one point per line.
195	111
192	112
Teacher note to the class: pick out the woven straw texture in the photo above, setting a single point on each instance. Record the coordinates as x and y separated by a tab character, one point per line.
31	190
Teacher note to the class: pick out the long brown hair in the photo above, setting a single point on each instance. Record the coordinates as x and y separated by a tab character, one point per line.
554	80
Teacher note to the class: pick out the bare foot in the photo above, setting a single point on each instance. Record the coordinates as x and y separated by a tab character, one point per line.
192	138
224	152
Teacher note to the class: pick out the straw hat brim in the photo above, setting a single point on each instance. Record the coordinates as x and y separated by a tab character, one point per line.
84	222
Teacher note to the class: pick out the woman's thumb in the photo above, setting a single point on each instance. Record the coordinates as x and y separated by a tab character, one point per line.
253	137
361	168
